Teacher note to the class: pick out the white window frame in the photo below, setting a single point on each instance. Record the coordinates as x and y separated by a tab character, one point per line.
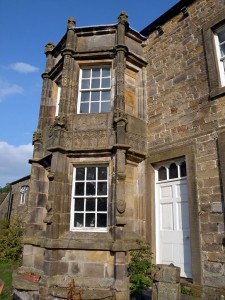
94	226
23	194
220	58
58	100
92	89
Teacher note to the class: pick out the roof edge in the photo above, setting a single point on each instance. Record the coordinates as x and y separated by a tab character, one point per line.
169	14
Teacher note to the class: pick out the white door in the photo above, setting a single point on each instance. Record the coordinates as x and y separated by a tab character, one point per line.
172	222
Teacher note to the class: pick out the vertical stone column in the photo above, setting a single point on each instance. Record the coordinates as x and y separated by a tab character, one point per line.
68	72
166	285
120	121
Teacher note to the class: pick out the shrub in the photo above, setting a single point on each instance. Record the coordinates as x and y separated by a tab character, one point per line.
11	240
140	267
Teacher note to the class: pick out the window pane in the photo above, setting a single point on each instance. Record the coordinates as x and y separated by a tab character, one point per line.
94	107
79	204
105	83
84	108
91	173
102	188
79	220
95	96
162	174
102	220
96	72
105	95
173	171
90	220
105	106
221	36
79	189
90	188
102	204
85	96
183	169
90	204
85	84
102	173
222	50
105	72
80	172
95	83
86	73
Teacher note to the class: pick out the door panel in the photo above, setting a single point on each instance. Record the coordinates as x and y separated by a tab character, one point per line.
173	230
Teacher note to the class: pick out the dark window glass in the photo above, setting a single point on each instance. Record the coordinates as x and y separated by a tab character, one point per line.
102	188
173	171
162	173
85	96
90	220
105	95
85	84
105	72
101	220
102	204
80	173
86	73
94	107
91	173
79	220
102	173
183	169
90	204
79	189
105	83
90	188
84	108
95	96
79	204
105	106
96	72
95	83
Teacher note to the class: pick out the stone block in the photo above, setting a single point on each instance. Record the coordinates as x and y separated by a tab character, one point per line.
93	270
167	273
166	291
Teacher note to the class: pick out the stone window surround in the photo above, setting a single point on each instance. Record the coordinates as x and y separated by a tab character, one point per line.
209	29
186	152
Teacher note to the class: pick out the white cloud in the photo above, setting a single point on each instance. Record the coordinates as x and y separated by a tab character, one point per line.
14	162
23	67
7	88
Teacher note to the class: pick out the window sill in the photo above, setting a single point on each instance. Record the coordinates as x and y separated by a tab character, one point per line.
217	92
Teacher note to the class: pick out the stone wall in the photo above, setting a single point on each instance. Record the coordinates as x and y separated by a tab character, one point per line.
182	113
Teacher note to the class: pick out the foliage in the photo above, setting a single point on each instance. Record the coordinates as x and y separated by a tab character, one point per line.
11	240
6	269
186	291
140	267
5	189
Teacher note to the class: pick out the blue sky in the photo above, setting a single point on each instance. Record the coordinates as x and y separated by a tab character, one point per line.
25	27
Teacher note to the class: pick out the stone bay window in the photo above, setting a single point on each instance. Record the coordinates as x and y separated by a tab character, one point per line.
88	167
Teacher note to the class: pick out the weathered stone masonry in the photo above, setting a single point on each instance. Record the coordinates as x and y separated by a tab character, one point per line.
167	105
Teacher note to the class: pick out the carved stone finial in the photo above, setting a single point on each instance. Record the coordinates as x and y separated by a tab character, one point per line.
123	18
71	23
37	136
49	47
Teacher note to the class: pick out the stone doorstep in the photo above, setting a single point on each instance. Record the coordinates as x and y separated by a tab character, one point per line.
196	289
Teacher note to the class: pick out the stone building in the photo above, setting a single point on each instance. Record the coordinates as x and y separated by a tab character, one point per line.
130	145
15	203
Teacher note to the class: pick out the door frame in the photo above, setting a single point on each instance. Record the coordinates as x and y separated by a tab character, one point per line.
157	156
179	179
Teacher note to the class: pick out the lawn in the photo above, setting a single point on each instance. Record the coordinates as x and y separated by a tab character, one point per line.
6	269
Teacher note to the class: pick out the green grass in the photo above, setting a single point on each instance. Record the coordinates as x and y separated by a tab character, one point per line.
6	269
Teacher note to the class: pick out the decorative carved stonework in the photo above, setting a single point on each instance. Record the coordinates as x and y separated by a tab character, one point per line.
120	115
37	136
123	18
121	206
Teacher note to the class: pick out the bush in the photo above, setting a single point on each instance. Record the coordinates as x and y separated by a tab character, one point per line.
140	267
11	240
